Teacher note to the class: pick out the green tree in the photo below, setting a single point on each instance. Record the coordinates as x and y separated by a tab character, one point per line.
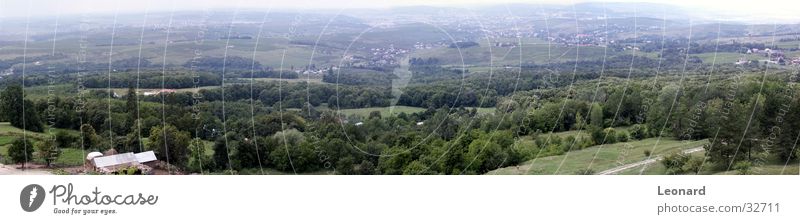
132	143
723	150
395	162
89	139
19	111
247	154
170	144
48	150
365	168
131	105
596	115
21	151
221	154
345	165
198	159
786	149
65	139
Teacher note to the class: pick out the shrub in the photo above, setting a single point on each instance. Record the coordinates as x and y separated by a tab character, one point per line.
638	131
610	135
622	136
675	163
743	167
695	165
65	139
21	151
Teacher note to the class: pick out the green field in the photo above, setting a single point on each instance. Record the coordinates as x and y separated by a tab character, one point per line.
385	111
601	157
726	57
8	133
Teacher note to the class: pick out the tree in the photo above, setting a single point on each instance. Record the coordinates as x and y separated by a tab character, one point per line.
396	161
247	154
596	115
345	165
131	105
21	151
723	151
170	144
485	155
221	154
365	168
65	139
132	143
197	156
21	112
48	150
786	149
89	138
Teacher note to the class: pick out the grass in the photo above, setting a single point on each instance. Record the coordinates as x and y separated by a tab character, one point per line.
385	111
770	167
71	157
5	140
8	133
297	80
656	168
600	157
726	57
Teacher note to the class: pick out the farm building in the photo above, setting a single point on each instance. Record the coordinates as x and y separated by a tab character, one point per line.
112	163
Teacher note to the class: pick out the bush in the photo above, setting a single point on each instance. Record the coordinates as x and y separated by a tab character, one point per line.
610	135
743	167
65	139
675	163
47	151
596	134
695	165
638	131
622	136
647	153
21	151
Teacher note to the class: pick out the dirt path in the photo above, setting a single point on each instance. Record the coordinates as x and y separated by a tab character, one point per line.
12	170
618	169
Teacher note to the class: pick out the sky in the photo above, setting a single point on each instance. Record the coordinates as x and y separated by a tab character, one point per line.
782	9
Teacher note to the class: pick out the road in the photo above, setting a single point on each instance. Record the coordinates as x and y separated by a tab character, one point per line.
12	170
618	169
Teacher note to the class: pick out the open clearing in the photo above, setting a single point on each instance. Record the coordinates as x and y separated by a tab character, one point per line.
601	157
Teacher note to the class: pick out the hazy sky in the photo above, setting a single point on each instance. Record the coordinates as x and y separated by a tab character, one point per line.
784	9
